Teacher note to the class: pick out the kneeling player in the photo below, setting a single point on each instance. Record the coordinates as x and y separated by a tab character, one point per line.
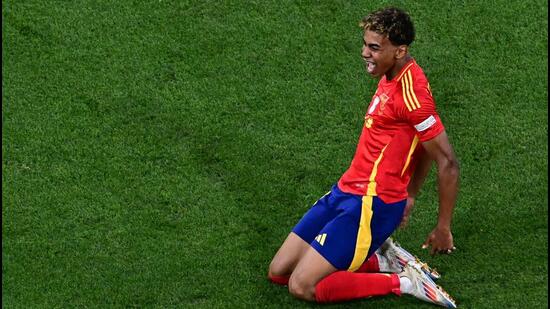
331	254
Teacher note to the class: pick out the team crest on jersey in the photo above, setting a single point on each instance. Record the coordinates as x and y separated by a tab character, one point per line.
383	100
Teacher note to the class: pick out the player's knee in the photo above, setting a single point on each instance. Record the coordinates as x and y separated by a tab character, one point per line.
301	289
279	267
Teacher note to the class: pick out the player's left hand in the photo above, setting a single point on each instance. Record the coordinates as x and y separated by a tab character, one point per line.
441	241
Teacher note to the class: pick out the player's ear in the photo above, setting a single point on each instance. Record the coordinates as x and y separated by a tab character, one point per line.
401	51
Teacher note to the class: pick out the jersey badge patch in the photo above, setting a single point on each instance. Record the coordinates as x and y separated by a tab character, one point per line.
374	104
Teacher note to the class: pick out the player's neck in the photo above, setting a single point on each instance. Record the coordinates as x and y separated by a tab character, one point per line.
399	64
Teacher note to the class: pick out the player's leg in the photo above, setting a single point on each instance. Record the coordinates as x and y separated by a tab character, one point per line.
286	258
326	272
297	242
392	258
310	270
414	279
371	265
315	279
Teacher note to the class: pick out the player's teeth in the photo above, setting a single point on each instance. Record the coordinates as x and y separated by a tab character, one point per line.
370	66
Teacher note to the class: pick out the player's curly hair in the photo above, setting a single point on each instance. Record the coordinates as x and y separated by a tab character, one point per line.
392	22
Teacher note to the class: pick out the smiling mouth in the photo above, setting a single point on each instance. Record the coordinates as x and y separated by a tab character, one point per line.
370	66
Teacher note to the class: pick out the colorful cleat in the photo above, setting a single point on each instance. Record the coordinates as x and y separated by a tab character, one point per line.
399	257
424	288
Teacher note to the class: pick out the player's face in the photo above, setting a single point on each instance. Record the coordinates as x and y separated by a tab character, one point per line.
379	54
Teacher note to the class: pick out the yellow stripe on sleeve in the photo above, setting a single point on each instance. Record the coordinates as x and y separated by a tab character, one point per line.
405	94
411	90
406	89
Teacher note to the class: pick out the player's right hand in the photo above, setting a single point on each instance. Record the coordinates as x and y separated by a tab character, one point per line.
407	212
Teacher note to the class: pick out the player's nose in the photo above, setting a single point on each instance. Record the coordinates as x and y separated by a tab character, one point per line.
365	53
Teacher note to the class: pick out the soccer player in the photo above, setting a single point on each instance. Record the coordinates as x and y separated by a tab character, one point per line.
333	253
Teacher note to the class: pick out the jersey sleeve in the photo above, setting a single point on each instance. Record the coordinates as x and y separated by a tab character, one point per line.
419	110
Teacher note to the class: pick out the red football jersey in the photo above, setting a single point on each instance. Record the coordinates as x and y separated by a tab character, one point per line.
400	116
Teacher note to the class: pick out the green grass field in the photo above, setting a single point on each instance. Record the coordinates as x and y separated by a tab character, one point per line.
157	153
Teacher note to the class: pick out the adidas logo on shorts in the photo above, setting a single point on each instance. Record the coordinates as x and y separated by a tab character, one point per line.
321	238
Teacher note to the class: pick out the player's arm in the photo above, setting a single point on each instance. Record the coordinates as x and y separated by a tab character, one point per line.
419	175
440	150
417	180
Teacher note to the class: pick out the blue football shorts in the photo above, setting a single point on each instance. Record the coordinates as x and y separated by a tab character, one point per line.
346	228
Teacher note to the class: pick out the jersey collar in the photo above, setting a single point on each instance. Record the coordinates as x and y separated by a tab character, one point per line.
401	72
404	69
